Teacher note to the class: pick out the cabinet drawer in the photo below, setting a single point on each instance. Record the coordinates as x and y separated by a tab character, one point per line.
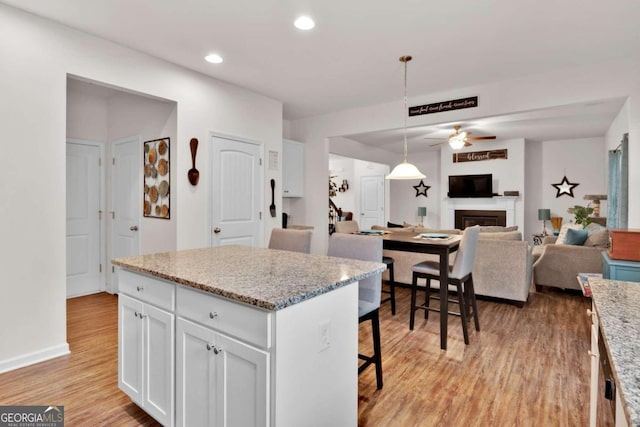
148	289
251	324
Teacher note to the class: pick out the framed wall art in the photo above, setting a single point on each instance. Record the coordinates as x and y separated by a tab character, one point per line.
157	178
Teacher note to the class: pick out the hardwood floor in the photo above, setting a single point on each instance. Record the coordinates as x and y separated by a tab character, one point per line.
526	367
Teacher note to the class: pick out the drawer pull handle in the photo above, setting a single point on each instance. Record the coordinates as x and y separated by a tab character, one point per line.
592	353
213	315
216	350
139	288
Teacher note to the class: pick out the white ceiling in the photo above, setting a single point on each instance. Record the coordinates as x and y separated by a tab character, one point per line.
351	58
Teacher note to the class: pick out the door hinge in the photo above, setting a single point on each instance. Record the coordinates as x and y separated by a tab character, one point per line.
260	161
113	269
260	214
100	215
113	161
113	214
99	161
100	268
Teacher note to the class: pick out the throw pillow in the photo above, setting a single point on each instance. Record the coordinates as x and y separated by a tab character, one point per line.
563	232
392	225
576	237
598	239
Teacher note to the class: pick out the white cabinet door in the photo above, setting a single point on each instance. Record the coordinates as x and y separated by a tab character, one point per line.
158	365
292	169
130	347
195	375
220	381
243	388
145	357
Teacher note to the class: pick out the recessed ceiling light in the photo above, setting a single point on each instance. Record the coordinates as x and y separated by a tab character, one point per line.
304	23
214	58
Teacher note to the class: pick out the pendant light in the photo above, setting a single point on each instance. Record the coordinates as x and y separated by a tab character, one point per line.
405	170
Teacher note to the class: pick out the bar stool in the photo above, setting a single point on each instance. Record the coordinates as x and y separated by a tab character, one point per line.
392	285
290	240
365	248
460	276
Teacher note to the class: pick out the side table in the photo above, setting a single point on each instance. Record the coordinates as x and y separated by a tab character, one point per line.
616	269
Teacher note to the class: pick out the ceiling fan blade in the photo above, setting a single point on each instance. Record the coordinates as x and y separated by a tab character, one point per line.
479	138
439	143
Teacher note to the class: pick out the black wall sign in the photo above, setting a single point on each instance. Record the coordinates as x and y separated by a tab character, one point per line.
439	107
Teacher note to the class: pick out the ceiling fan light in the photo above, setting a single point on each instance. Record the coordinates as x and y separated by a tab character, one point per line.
456	143
405	170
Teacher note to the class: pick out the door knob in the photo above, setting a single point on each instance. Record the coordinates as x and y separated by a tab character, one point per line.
216	230
133	228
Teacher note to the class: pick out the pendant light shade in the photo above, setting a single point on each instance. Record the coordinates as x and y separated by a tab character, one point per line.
405	170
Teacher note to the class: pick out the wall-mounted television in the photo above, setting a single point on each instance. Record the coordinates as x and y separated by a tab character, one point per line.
470	185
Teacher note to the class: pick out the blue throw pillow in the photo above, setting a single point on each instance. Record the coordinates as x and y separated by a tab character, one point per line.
576	237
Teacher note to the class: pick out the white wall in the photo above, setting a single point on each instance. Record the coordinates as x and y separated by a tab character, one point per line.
131	115
405	203
533	173
37	57
583	161
572	85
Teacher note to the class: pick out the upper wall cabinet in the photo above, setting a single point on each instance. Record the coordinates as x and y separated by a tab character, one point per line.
292	168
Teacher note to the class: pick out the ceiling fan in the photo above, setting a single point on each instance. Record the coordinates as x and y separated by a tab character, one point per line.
460	139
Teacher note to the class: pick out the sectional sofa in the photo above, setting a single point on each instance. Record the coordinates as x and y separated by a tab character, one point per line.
502	267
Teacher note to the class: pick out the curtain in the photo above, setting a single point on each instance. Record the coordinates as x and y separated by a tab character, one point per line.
618	193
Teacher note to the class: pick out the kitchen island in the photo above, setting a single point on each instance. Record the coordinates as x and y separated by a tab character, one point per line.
240	336
616	309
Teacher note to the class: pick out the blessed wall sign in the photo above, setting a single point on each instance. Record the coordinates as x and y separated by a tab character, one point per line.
439	107
477	156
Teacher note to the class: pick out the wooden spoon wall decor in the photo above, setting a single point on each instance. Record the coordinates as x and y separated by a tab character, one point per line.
193	174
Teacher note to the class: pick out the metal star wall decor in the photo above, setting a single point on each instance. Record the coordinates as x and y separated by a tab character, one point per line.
565	187
421	189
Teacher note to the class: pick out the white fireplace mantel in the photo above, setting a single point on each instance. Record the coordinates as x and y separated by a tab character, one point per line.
498	203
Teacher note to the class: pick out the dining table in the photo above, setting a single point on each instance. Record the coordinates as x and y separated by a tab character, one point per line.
442	246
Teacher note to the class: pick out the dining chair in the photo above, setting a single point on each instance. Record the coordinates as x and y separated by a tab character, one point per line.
287	239
460	276
365	248
353	227
347	227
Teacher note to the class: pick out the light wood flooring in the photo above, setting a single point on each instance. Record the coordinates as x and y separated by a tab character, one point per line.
526	367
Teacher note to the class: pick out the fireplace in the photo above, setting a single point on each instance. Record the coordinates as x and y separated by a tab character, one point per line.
469	218
497	203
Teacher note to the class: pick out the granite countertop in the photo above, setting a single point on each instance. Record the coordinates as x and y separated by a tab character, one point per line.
618	306
266	278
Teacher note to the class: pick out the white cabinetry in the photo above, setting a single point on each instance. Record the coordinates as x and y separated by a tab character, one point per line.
237	364
222	381
292	169
146	345
603	387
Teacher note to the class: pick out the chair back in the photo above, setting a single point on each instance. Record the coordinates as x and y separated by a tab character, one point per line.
364	248
347	227
287	239
466	254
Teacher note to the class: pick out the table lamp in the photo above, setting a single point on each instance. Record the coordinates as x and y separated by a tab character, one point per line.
422	212
544	215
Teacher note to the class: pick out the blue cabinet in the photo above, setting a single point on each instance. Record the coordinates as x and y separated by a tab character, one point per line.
615	269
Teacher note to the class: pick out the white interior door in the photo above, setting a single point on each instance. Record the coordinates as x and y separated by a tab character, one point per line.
126	200
371	201
84	218
236	195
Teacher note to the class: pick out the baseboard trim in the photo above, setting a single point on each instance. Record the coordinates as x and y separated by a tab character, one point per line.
35	357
